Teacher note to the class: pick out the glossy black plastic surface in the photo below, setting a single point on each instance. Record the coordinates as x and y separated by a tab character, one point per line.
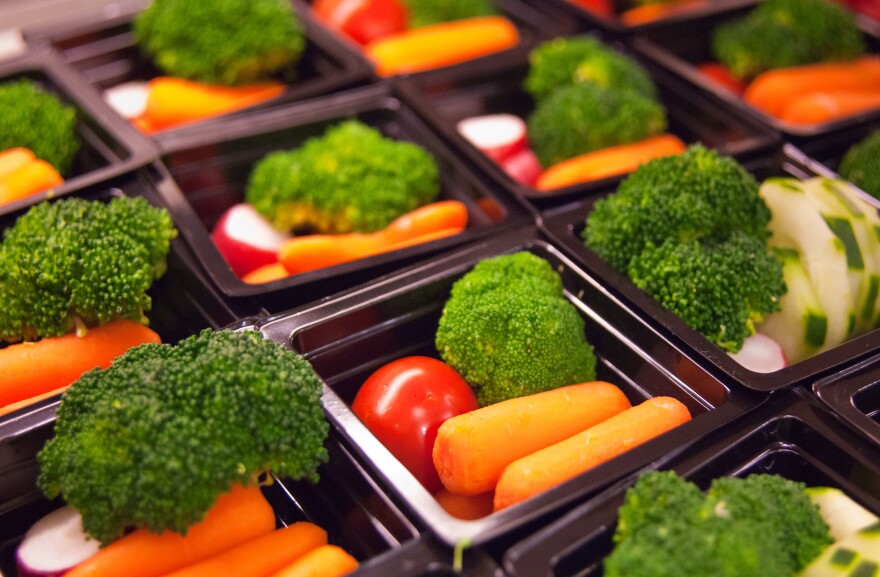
854	395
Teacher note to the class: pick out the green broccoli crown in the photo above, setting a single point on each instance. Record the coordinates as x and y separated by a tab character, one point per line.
581	118
697	194
861	164
35	119
77	262
681	532
783	33
425	12
509	331
351	179
221	41
721	288
568	60
154	440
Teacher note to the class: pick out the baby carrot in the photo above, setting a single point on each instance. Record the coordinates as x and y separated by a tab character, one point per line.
428	219
266	273
31	178
818	107
600	443
473	449
31	369
27	402
325	561
239	516
653	12
12	159
608	161
467	507
260	557
443	44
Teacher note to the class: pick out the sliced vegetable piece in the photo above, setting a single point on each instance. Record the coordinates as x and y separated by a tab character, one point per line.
55	544
129	99
856	556
246	239
761	353
843	515
498	136
523	167
362	20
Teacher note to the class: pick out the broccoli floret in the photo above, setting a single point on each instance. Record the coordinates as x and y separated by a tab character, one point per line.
783	33
563	61
351	179
154	440
581	118
221	41
649	501
35	119
509	331
425	12
77	263
861	164
694	195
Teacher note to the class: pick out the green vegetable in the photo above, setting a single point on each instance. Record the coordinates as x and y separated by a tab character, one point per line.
425	12
509	331
581	118
855	556
861	164
762	525
221	41
843	515
584	59
783	33
351	179
76	263
156	438
35	119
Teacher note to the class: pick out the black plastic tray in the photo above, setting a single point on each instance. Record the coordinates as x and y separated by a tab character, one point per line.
100	46
681	49
792	436
348	337
209	174
445	99
109	146
854	395
564	226
183	302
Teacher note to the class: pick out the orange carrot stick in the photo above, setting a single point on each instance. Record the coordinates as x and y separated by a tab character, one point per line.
175	101
12	407
260	557
325	561
600	443
12	159
266	273
31	369
32	178
239	516
466	507
818	107
473	449
772	90
608	161
443	44
653	12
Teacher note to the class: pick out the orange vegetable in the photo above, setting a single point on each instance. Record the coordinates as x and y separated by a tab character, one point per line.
430	222
34	368
473	449
266	273
175	101
653	12
32	178
239	516
818	107
12	159
722	75
325	561
773	90
608	161
443	44
466	507
30	401
599	7
600	443
260	557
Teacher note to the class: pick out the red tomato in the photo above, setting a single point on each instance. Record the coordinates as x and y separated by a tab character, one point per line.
405	402
362	20
720	74
600	7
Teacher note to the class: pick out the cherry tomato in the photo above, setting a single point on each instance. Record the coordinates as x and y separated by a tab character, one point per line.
362	20
600	7
405	402
720	74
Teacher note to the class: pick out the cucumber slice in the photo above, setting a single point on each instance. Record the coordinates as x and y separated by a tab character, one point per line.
855	556
843	515
797	224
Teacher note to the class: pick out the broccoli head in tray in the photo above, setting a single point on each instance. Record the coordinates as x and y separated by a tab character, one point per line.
153	440
861	164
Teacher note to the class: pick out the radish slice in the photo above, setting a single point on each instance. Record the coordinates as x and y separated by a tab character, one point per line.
498	136
55	544
128	99
761	354
246	239
524	167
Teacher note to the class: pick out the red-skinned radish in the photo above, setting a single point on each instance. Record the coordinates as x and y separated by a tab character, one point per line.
55	544
498	136
246	239
761	353
129	99
523	167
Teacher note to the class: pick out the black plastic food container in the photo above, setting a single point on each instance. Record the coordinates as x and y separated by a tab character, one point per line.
683	48
100	46
854	395
109	146
348	337
792	435
566	224
209	174
445	99
183	302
